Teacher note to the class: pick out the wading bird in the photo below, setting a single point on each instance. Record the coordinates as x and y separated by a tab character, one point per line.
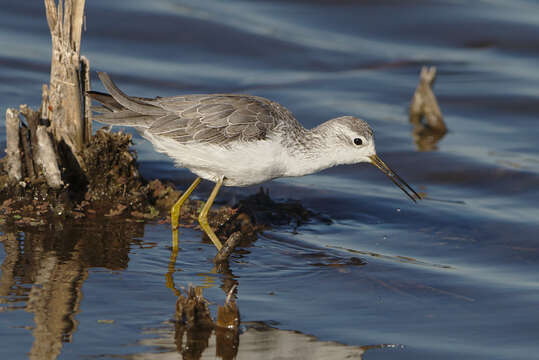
238	140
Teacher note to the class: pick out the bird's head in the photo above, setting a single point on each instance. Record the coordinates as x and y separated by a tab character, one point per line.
352	140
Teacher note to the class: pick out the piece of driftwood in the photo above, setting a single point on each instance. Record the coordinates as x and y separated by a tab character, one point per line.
32	119
43	154
61	114
13	151
85	83
27	152
64	95
46	158
424	104
425	113
29	139
228	247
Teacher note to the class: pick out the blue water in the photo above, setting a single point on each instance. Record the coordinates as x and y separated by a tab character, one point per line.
442	279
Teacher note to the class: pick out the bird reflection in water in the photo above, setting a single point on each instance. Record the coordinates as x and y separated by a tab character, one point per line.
194	325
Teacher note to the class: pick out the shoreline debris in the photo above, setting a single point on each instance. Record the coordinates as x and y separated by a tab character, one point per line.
425	113
194	325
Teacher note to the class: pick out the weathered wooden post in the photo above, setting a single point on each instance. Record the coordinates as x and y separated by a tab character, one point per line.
53	137
64	96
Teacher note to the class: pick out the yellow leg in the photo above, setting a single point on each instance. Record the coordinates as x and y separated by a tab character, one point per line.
175	213
203	217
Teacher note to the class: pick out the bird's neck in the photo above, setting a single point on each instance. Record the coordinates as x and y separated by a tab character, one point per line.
311	152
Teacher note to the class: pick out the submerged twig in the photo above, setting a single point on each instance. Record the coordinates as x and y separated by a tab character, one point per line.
228	247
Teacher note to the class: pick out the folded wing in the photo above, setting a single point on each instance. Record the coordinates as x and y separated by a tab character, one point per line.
216	119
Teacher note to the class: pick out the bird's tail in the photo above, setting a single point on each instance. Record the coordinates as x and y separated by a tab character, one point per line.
121	109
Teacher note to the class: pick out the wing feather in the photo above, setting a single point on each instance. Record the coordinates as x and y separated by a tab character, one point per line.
217	119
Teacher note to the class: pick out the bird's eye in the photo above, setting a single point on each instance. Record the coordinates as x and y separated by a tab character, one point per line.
358	141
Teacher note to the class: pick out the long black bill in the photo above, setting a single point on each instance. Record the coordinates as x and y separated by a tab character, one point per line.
397	180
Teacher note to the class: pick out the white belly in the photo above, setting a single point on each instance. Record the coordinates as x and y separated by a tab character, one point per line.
241	164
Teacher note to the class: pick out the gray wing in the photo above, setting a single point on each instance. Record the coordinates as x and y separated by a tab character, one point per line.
216	119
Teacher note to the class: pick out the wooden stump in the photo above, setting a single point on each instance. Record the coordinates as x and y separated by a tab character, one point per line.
424	104
65	90
425	113
62	121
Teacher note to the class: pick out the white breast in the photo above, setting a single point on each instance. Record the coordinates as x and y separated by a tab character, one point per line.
241	164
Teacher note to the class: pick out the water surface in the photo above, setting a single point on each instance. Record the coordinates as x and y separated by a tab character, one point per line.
389	278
